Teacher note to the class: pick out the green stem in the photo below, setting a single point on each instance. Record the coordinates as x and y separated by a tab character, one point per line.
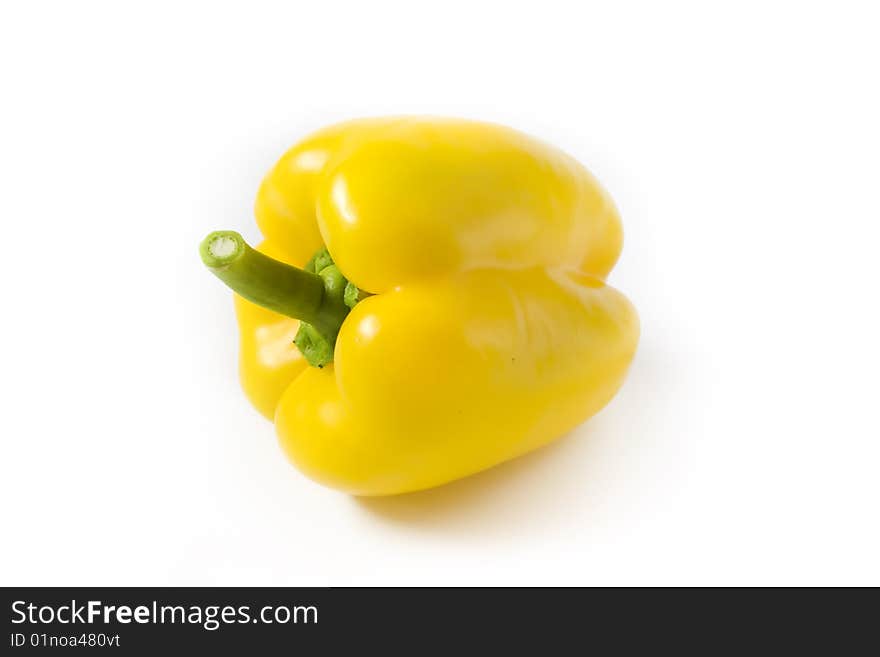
272	284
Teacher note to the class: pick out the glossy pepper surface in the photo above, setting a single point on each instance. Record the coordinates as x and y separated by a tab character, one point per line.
458	314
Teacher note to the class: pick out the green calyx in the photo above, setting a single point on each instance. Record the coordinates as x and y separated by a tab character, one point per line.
318	295
315	345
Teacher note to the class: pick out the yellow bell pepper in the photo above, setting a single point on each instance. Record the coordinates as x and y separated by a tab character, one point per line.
449	278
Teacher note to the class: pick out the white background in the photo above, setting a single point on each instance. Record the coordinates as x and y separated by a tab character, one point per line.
741	142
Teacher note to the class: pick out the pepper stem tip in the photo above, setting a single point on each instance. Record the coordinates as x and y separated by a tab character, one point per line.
221	248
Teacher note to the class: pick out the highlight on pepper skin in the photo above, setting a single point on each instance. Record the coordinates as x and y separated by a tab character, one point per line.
429	301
